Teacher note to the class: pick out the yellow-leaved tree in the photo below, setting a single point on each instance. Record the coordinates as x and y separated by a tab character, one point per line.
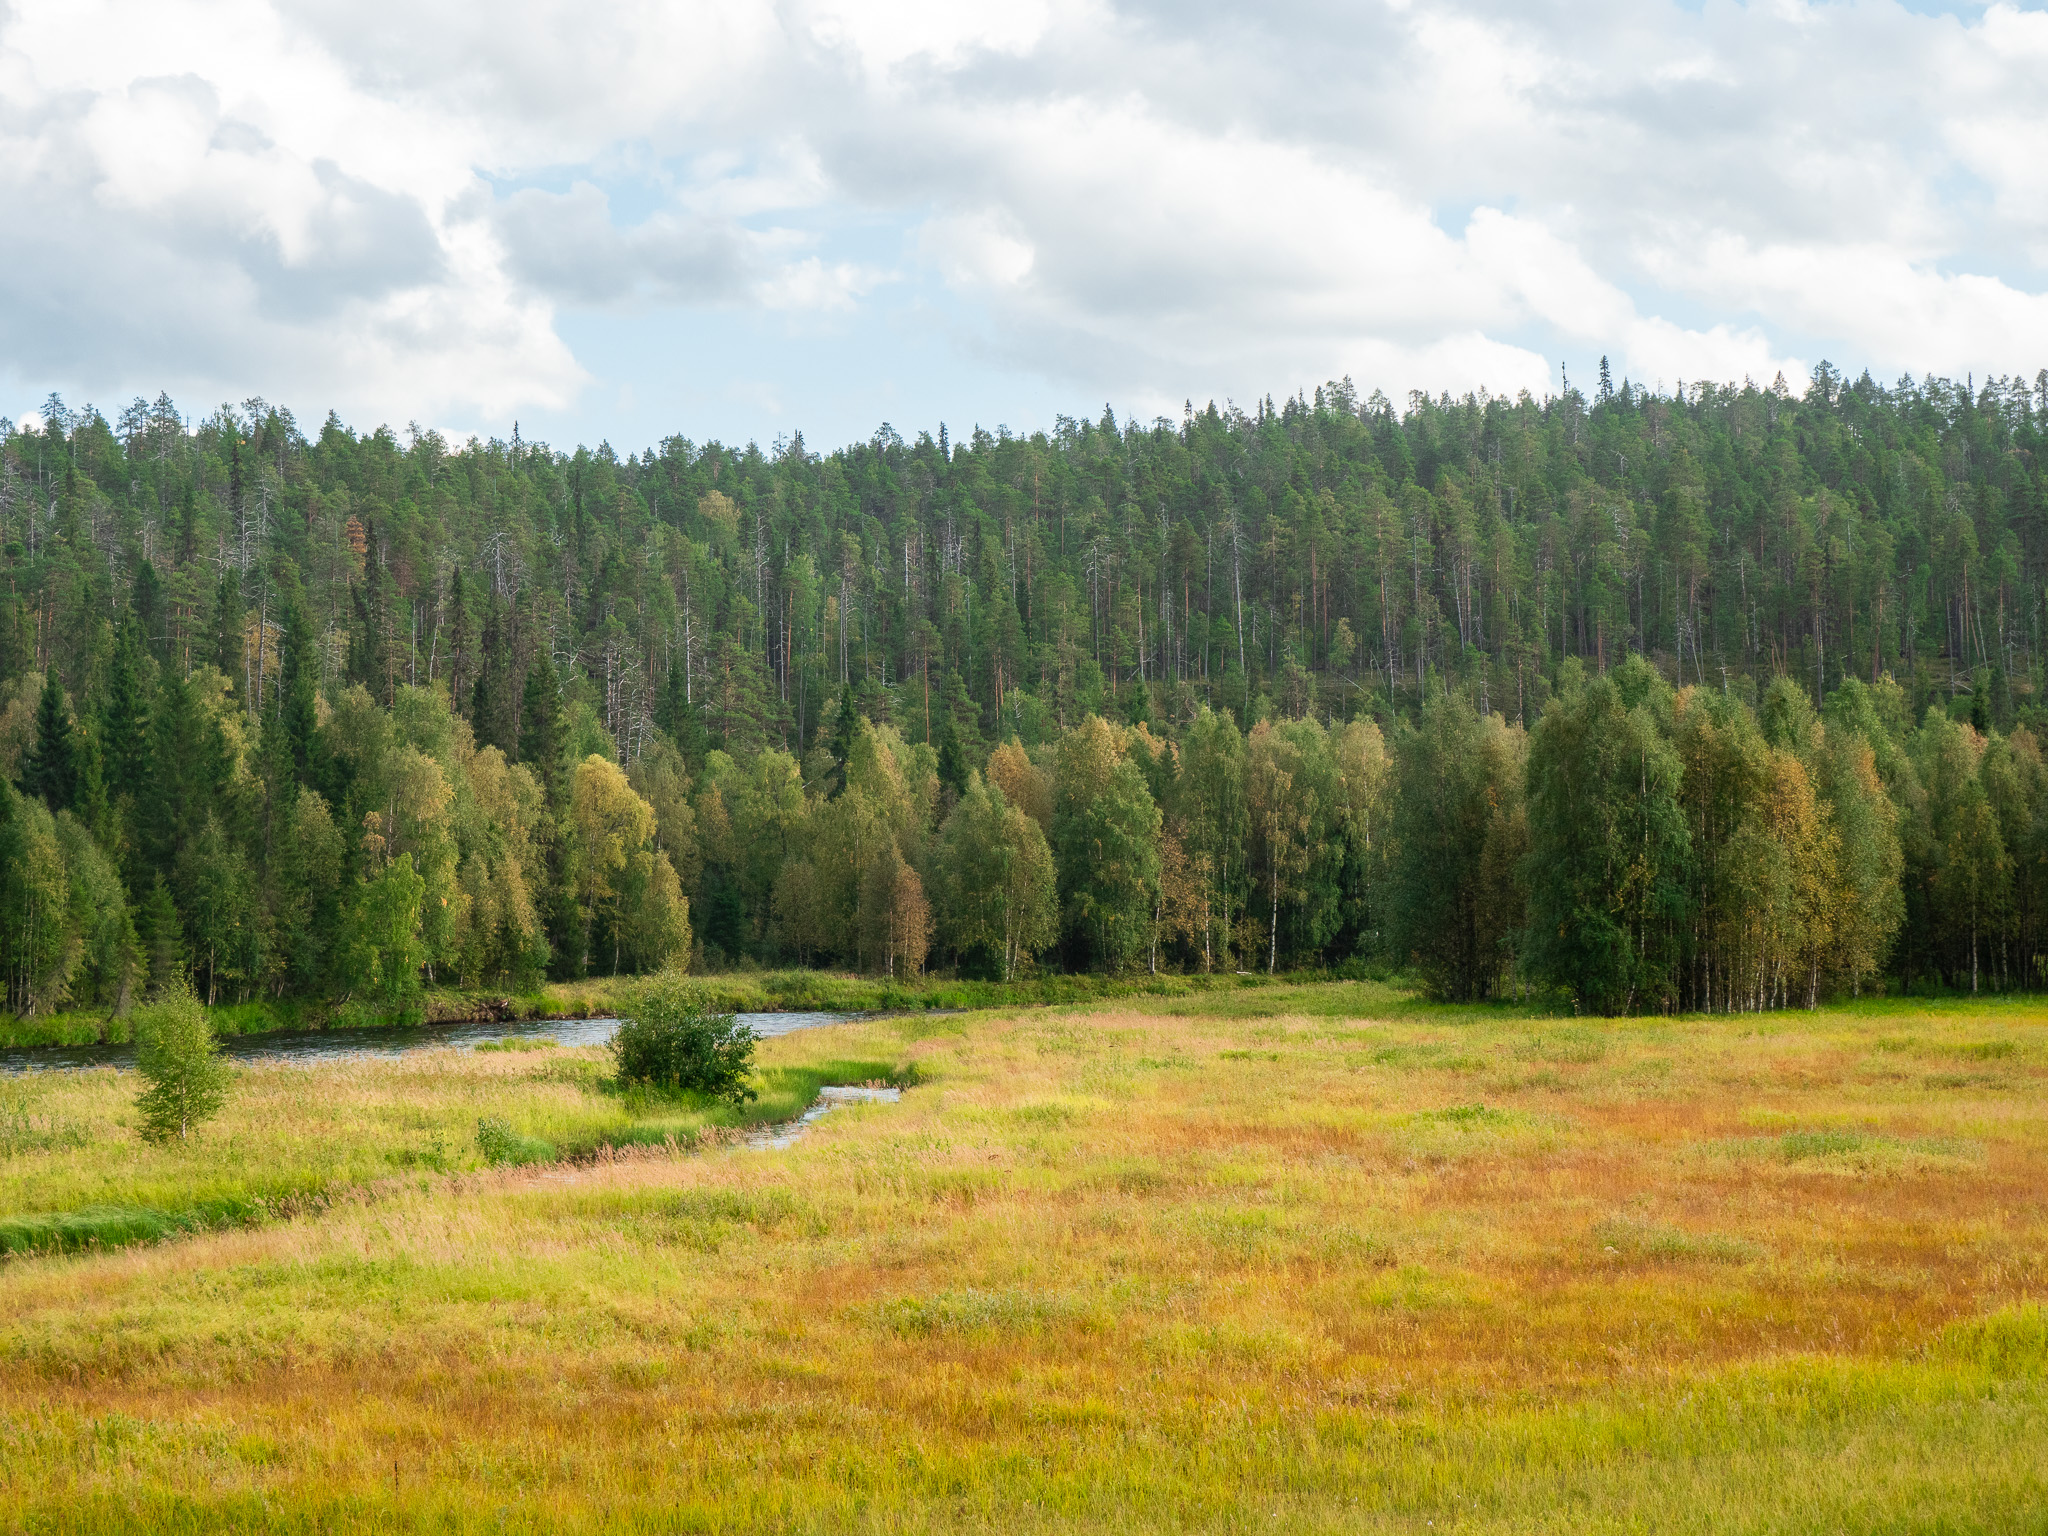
633	904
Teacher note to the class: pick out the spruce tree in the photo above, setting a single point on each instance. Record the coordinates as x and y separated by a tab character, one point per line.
842	734
301	675
49	770
952	764
228	639
124	712
491	701
146	603
540	730
460	641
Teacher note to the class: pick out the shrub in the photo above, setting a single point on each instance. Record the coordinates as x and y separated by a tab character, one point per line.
501	1145
180	1061
669	1041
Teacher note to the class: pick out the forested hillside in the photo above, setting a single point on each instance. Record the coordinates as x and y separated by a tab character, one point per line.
1717	699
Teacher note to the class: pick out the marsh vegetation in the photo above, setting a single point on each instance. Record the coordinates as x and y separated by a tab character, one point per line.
1292	1258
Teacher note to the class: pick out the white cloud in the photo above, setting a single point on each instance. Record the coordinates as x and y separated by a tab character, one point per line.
393	207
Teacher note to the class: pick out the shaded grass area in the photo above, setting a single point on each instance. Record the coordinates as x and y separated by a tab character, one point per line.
1338	1261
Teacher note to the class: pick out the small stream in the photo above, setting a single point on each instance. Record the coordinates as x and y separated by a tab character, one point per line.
766	1137
324	1045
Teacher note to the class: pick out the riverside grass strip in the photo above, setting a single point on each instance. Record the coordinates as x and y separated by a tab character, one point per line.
1307	1258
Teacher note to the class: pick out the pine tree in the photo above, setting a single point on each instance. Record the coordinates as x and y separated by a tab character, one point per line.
952	762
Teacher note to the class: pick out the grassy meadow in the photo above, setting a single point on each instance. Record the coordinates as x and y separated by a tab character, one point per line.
1283	1259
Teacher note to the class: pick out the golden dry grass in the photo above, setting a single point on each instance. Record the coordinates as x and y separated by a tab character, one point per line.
1310	1258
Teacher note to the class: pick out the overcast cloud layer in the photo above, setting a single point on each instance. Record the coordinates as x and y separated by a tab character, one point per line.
745	218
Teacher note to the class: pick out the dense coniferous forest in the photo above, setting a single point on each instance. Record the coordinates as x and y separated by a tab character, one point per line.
1726	698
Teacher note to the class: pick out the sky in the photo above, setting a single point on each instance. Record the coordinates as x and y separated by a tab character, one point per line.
748	219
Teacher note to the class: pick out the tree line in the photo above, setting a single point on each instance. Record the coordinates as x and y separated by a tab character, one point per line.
1722	698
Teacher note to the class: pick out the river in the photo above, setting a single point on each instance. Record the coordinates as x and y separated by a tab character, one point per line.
342	1044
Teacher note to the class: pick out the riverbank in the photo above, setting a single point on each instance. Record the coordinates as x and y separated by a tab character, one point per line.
793	991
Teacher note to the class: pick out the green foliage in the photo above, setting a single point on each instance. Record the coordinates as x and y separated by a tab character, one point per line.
501	1146
1210	652
383	951
668	1040
50	770
186	1081
1607	851
1105	834
1002	890
1457	880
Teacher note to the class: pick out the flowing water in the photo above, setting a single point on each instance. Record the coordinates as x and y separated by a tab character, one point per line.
764	1137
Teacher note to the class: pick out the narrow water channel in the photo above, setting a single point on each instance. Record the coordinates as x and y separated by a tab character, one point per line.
342	1044
765	1137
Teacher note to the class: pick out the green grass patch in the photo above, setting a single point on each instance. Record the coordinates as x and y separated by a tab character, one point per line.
1638	1239
1465	1116
118	1226
23	1131
967	1310
1797	1146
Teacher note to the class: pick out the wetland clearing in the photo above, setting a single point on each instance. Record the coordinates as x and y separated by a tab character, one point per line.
1297	1258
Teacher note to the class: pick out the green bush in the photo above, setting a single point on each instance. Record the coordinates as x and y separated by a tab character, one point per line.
180	1062
502	1146
669	1041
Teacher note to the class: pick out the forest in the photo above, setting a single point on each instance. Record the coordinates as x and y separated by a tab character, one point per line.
1726	698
